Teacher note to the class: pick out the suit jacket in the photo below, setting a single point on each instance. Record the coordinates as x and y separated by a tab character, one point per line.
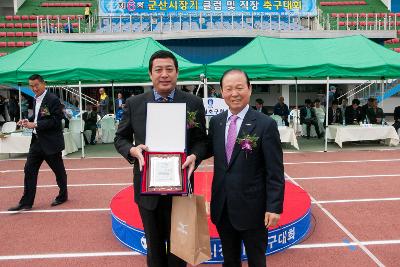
90	119
339	117
49	126
263	110
252	183
396	113
373	115
303	114
353	115
133	123
104	107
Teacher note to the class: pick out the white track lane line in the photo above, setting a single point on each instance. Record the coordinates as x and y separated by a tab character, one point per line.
341	161
356	200
345	177
74	169
341	226
70	185
133	253
56	211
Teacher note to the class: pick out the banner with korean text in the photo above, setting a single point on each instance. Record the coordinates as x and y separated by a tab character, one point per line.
166	7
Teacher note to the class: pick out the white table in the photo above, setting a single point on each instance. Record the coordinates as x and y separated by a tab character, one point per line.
362	133
288	135
18	143
75	129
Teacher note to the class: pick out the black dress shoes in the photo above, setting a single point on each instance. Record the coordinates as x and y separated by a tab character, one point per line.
20	207
58	201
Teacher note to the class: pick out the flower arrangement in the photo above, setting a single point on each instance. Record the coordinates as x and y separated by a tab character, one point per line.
191	120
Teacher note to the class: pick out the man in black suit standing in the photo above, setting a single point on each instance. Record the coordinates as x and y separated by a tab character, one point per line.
248	183
396	117
155	210
46	145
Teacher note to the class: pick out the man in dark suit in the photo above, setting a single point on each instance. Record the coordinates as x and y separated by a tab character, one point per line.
260	106
155	210
308	117
374	113
335	113
90	118
353	113
46	145
281	109
248	183
396	117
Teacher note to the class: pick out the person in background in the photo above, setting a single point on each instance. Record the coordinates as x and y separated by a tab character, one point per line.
13	108
365	107
24	107
396	117
308	117
213	93
343	106
65	116
259	107
90	118
335	114
353	113
320	113
374	113
281	109
104	103
119	106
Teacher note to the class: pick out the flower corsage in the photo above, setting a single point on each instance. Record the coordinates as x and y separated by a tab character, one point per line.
44	111
247	143
191	120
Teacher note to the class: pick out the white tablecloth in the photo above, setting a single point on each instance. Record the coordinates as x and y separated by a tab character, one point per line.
17	143
362	133
288	135
75	129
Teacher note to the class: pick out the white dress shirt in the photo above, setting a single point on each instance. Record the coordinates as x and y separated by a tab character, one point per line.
239	121
39	100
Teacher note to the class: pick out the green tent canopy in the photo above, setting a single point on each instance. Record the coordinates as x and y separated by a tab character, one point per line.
61	62
354	57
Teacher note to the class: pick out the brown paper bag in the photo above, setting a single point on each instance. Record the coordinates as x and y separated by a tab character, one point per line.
190	237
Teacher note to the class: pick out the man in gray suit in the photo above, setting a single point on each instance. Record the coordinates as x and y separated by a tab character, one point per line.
248	183
155	210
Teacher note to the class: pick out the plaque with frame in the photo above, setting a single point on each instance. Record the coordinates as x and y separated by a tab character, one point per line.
166	142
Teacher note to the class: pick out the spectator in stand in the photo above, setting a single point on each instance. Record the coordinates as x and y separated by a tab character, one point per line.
353	113
75	101
104	103
396	116
281	109
260	106
119	106
374	113
90	118
308	117
13	108
68	28
24	106
335	114
87	13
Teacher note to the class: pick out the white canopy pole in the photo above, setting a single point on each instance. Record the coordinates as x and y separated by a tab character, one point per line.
326	114
382	91
19	101
81	118
113	97
297	110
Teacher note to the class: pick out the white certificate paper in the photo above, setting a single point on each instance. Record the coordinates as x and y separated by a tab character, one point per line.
164	171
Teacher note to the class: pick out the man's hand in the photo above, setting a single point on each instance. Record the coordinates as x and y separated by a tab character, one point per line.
271	219
25	123
137	152
189	163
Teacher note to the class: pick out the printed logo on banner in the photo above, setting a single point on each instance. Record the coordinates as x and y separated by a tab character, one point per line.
143	242
214	106
128	7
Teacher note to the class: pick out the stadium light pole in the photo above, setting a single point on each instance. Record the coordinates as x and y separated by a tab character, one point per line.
326	114
81	118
